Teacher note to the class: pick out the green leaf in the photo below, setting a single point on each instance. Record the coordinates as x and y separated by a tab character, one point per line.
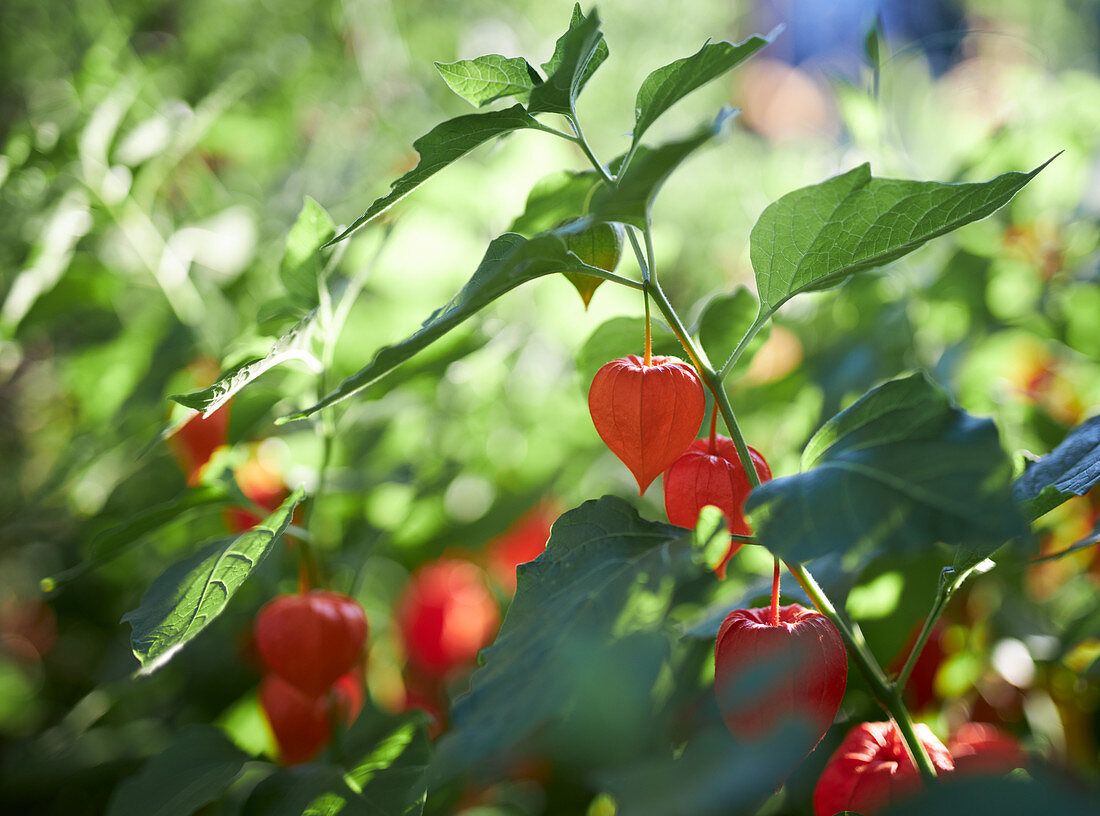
1071	469
190	594
446	143
555	198
294	345
725	320
816	237
900	469
302	264
485	79
581	647
384	755
509	261
315	789
714	775
577	55
632	198
190	773
618	337
669	84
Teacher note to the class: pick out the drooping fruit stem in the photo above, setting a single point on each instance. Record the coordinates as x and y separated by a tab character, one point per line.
648	360
712	448
773	615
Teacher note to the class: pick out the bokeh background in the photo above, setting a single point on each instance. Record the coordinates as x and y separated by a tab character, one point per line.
154	155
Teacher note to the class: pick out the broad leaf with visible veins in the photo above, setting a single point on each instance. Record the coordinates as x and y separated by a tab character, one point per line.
816	237
900	469
190	594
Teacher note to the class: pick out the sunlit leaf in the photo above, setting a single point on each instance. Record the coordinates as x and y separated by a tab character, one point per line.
509	261
555	198
294	345
445	143
485	79
190	594
670	83
900	469
816	237
577	55
581	644
383	758
302	263
632	198
1071	469
193	771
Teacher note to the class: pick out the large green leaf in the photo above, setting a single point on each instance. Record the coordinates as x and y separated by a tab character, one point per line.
294	345
509	261
191	593
816	237
445	143
669	84
580	650
302	264
190	773
577	55
631	199
902	468
555	198
725	321
1071	469
485	79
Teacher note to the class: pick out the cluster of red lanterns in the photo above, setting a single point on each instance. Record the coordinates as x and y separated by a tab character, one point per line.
312	644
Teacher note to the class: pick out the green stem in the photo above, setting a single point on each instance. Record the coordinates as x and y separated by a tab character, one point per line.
886	693
938	605
582	142
754	329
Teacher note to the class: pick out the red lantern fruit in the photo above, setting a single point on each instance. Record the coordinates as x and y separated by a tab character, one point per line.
811	670
710	472
872	768
196	440
647	415
981	748
265	487
446	615
302	723
311	639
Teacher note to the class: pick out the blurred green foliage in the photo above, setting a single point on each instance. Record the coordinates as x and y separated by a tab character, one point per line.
153	159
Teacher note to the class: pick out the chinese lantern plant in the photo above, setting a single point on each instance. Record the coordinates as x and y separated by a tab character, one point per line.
589	655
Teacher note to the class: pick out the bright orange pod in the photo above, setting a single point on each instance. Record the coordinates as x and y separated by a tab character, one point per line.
647	415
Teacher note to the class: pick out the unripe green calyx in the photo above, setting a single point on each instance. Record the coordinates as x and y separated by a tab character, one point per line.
601	246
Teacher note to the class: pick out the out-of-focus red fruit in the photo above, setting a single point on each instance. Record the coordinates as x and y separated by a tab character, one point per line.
711	473
302	723
196	440
920	690
647	415
872	768
446	615
28	628
811	670
981	748
311	639
524	541
264	487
